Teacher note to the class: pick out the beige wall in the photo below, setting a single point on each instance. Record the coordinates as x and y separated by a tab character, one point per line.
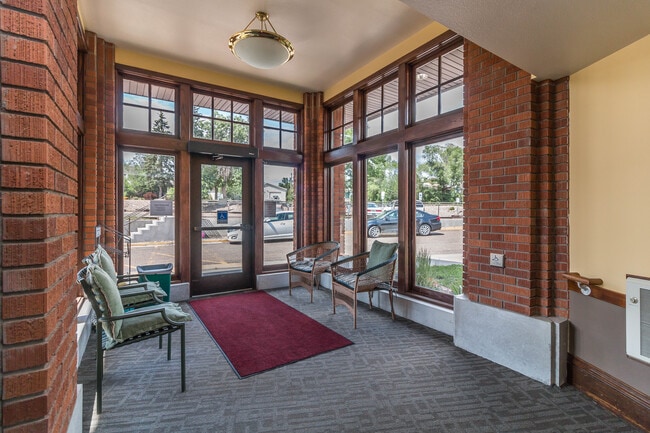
176	69
158	64
389	56
609	210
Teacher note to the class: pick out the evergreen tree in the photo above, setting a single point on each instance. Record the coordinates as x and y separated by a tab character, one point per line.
160	125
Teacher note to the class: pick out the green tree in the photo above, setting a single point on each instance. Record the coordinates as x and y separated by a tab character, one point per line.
287	184
440	175
147	172
382	176
160	125
224	181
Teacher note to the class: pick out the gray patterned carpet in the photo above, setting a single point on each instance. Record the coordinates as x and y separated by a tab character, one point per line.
397	377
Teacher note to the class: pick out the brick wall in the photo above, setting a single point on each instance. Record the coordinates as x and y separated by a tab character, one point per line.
38	179
516	186
98	189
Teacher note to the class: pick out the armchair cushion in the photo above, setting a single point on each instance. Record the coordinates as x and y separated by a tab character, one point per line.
133	326
380	252
303	265
106	262
108	298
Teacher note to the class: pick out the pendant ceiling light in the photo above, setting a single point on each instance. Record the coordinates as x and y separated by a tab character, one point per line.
261	48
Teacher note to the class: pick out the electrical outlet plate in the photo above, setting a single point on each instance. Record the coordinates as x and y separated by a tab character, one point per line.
496	260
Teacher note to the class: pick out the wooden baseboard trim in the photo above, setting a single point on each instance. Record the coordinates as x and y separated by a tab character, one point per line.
610	392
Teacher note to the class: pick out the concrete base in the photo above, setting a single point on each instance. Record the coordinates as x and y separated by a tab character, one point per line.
533	346
273	281
76	421
179	292
84	326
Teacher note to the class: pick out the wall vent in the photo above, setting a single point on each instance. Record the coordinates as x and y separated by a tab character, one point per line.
637	318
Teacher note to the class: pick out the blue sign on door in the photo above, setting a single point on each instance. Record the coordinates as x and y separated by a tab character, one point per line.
222	217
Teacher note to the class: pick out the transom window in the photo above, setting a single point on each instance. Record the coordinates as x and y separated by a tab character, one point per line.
220	119
340	131
439	85
280	128
381	107
148	107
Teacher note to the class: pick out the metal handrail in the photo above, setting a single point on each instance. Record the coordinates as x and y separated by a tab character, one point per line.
120	238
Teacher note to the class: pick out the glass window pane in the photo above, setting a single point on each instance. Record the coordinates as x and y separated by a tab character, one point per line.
426	76
135	118
201	128
451	96
271	138
241	133
336	117
279	196
373	125
381	190
288	140
135	92
162	122
390	118
390	93
347	135
222	109
271	117
342	195
373	101
202	101
163	98
336	138
452	65
148	200
426	105
348	113
439	183
241	112
288	121
222	130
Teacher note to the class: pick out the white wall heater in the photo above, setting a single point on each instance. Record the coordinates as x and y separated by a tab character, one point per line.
637	318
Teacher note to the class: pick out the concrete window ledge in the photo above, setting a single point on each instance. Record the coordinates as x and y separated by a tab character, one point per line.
533	346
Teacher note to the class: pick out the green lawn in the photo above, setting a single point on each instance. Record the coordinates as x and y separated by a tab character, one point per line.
447	278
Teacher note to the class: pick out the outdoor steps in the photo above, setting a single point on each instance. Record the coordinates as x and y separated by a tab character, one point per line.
161	229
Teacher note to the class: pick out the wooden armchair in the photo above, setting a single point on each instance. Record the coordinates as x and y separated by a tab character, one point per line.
306	264
117	328
364	273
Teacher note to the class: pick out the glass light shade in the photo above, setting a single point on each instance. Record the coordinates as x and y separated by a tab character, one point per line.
261	49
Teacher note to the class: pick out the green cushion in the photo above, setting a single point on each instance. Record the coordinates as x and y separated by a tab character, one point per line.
137	325
106	262
380	252
108	298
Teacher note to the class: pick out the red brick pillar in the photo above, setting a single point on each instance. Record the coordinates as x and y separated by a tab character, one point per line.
313	182
98	189
516	186
39	133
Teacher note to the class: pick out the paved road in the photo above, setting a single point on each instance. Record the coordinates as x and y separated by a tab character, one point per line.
445	245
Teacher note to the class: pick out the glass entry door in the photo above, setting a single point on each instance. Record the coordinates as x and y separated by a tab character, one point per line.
221	236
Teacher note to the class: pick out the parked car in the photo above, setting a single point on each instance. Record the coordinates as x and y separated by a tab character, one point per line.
393	205
387	223
373	209
278	227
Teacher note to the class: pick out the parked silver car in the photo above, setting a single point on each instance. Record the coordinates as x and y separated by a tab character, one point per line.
278	227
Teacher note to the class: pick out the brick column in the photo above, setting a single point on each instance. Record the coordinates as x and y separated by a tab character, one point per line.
516	186
313	182
98	189
39	137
